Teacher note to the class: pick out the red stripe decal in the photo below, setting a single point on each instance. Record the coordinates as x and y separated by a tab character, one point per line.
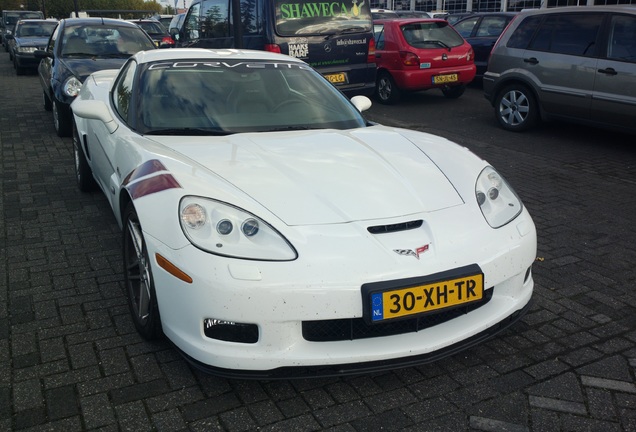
153	185
145	169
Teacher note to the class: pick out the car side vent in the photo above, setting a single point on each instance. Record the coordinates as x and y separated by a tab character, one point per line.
382	229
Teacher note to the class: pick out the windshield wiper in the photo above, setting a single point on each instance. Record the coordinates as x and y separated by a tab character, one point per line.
289	128
439	42
339	32
189	131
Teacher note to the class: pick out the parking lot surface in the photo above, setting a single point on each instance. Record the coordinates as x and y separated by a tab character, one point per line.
71	360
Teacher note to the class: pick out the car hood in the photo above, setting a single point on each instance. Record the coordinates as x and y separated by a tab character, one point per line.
83	67
32	41
324	177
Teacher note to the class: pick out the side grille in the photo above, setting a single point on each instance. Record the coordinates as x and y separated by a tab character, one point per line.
357	328
382	229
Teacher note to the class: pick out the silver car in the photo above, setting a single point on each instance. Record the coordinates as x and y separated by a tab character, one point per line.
570	63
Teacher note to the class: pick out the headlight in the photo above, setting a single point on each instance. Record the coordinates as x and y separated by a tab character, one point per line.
223	229
26	49
72	86
498	202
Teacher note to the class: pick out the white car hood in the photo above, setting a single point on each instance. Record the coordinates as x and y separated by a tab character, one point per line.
325	177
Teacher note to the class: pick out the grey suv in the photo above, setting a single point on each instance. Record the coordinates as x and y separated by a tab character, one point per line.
569	63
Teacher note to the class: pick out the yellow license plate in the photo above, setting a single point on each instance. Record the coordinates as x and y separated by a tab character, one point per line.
443	79
419	299
337	78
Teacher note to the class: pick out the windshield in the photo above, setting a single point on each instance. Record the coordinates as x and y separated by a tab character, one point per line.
436	34
310	17
35	29
211	98
104	41
14	17
152	28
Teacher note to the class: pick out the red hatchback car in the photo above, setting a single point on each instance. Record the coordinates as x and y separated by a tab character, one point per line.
420	54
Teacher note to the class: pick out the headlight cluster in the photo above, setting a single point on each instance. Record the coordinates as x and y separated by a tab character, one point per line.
223	229
26	49
72	86
498	202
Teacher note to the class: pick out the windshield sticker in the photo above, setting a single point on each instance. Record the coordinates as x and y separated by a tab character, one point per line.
320	9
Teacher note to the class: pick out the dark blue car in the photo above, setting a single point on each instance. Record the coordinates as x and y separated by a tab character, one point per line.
77	48
481	31
28	36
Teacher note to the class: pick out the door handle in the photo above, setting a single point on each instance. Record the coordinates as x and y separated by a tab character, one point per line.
608	71
531	60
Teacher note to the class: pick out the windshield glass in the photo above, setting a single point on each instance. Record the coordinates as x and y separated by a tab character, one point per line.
311	17
35	29
152	28
436	34
211	97
104	41
14	17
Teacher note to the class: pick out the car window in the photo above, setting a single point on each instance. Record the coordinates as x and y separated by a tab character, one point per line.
465	27
305	17
491	26
431	35
573	34
524	32
31	29
240	96
152	28
51	46
378	31
191	25
215	14
622	38
104	40
122	92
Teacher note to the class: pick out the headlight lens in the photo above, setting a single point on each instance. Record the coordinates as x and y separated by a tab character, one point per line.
72	86
223	229
26	49
497	200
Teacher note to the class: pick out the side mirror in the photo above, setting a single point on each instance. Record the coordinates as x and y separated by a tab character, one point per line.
95	110
362	103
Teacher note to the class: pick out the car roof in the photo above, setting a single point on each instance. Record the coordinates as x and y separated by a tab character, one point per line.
595	9
400	21
96	21
210	54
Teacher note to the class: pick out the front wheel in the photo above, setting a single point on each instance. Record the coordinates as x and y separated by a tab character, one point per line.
453	92
386	90
140	288
61	119
516	108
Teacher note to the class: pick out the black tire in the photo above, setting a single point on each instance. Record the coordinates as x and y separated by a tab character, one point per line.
516	108
83	173
453	92
140	287
46	102
386	90
61	119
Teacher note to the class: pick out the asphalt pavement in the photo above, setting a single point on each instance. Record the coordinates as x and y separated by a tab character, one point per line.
70	359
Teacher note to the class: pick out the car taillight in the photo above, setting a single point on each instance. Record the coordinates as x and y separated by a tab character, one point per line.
371	55
409	59
167	40
272	48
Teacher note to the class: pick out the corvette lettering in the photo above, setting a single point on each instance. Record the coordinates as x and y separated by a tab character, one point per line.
247	65
410	252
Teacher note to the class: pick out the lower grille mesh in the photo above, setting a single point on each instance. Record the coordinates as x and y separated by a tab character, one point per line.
357	328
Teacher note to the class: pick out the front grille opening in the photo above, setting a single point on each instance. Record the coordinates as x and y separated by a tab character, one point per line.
357	328
403	226
230	331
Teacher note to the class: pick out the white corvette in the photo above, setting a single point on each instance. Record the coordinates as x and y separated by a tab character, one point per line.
270	230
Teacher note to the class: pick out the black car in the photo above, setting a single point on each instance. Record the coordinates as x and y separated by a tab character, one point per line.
28	36
482	31
156	31
77	48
